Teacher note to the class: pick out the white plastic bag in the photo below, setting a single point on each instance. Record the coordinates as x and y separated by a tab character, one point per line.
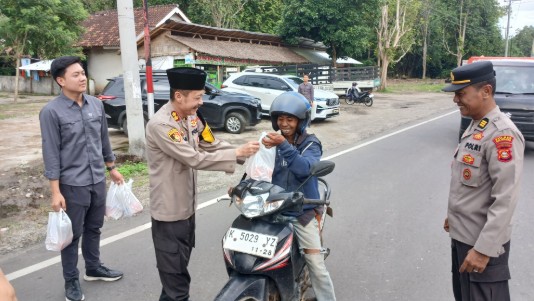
59	231
121	202
260	165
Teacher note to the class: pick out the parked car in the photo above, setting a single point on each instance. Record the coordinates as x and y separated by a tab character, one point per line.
221	109
514	93
267	86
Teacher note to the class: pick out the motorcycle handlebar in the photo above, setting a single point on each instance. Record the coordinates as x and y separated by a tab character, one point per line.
315	202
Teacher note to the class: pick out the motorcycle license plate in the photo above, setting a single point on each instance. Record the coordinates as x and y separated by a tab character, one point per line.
250	242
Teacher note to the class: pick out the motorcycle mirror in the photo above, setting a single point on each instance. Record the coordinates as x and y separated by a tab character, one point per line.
322	168
319	169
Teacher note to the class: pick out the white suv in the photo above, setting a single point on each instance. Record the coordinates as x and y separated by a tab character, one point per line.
267	86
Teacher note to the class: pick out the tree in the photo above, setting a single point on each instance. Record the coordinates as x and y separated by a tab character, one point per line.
218	13
523	41
40	28
395	34
261	16
475	28
342	25
425	14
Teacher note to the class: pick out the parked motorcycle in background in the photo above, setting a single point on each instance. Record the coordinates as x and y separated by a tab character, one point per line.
364	97
262	257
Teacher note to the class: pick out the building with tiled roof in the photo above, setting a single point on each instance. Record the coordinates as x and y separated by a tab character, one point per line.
218	51
101	42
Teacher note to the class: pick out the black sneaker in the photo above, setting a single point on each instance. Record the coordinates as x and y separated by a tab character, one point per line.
102	273
73	291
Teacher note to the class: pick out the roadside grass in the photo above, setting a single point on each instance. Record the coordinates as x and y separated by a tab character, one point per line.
414	85
130	169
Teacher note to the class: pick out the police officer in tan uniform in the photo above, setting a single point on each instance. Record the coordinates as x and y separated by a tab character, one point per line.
486	172
178	143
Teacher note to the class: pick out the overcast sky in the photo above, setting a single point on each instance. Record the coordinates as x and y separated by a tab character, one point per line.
522	15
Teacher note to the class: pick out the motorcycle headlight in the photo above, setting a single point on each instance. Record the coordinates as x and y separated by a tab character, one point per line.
256	205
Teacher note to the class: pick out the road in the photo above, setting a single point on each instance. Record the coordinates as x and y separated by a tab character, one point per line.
389	200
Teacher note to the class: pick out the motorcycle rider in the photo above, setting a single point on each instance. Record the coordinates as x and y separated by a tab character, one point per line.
296	151
354	92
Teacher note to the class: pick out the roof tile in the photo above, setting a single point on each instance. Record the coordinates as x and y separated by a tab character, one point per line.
102	28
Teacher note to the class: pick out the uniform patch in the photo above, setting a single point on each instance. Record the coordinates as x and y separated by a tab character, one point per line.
194	122
504	148
483	123
473	146
478	136
504	155
175	116
468	159
175	136
207	134
467	174
503	141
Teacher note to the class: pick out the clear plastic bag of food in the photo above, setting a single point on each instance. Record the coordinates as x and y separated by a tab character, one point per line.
59	231
260	165
121	202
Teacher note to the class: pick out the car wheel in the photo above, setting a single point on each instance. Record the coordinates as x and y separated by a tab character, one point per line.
368	101
234	123
124	126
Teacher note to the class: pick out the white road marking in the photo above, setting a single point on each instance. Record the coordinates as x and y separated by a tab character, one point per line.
44	264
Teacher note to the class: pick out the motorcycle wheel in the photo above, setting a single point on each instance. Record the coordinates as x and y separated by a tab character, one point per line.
368	101
349	100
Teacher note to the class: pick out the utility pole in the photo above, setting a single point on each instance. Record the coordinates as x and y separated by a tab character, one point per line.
148	65
508	26
132	89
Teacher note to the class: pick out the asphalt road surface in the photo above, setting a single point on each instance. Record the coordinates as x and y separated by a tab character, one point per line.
386	238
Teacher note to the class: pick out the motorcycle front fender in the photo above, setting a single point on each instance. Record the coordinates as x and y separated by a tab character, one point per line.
240	287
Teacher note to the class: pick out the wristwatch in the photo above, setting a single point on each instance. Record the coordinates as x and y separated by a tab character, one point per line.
110	168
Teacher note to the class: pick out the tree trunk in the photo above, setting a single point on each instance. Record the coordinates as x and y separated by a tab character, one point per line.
384	72
424	57
425	38
334	57
17	72
461	34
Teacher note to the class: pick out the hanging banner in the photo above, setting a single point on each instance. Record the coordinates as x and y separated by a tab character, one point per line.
224	61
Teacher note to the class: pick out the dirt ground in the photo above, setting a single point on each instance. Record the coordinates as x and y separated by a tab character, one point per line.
24	192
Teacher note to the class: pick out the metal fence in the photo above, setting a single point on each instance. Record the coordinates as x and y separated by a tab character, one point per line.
321	74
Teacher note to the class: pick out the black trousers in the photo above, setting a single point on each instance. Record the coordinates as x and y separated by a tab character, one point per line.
86	206
173	243
491	285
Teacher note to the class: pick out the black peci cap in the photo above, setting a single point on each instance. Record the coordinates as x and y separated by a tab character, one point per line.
58	66
466	75
186	78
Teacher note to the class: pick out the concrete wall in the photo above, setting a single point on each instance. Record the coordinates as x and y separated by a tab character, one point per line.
103	64
27	85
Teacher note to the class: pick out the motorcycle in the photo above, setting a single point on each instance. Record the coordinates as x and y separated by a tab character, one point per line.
262	256
364	97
